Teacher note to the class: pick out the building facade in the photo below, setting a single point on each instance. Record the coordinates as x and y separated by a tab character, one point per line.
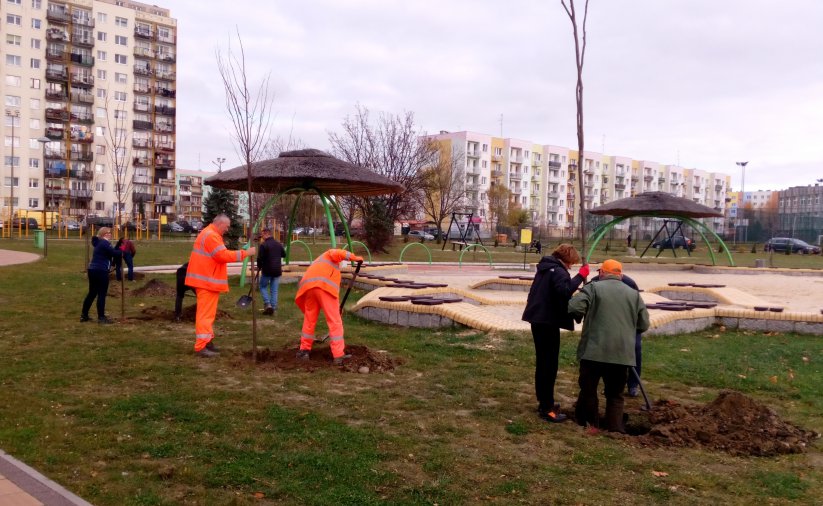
542	178
90	107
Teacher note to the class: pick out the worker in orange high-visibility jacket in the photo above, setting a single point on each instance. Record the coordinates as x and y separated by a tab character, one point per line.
207	275
319	289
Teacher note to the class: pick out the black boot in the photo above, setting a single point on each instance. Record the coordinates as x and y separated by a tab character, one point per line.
614	416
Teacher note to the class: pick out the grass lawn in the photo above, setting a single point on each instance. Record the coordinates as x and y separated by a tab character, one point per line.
126	415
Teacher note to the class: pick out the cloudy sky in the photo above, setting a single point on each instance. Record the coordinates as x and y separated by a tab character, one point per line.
704	83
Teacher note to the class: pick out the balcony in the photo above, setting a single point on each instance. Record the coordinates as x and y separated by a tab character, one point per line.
588	184
56	191
142	70
143	33
55	154
516	159
552	209
140	143
57	75
143	52
661	179
648	178
537	163
141	197
553	195
619	186
83	117
718	187
55	133
168	39
57	114
588	198
81	194
141	162
634	177
80	156
515	176
82	80
164	181
164	145
164	127
164	110
164	199
85	60
80	20
57	15
81	41
142	88
496	173
165	75
554	165
58	55
164	163
473	154
141	107
83	175
56	96
141	125
165	91
83	98
167	57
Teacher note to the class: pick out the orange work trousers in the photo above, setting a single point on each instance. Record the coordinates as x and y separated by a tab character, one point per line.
315	300
206	313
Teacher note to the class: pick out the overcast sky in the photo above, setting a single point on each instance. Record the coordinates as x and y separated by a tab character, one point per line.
705	83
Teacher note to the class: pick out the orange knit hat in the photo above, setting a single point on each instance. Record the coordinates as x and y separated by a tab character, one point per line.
612	267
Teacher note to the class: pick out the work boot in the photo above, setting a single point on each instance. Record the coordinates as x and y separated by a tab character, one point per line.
268	310
303	355
105	320
207	353
341	359
552	416
84	319
633	392
614	416
211	347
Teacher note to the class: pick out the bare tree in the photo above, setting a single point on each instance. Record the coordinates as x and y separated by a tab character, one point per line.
499	197
580	55
390	146
442	187
250	113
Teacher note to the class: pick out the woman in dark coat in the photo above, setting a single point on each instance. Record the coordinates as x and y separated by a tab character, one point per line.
547	311
99	275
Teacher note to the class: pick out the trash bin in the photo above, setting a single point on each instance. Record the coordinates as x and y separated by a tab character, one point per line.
39	238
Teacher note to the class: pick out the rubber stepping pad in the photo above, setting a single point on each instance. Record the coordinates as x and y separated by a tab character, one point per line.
427	302
394	298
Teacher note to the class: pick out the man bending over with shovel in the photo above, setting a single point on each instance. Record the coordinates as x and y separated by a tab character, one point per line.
319	290
207	275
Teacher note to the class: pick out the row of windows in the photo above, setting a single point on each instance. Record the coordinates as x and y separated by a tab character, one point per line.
16	40
15	20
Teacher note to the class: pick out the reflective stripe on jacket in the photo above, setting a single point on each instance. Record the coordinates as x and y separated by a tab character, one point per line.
323	273
207	263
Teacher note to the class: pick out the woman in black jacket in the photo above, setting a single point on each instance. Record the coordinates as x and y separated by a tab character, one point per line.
547	311
99	275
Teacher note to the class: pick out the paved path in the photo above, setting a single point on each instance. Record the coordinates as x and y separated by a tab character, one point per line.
9	257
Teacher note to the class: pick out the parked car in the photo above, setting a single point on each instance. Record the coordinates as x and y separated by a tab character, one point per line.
678	241
65	225
22	223
782	244
176	227
131	226
419	234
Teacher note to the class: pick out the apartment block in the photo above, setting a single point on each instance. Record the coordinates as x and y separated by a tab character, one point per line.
90	107
191	192
542	178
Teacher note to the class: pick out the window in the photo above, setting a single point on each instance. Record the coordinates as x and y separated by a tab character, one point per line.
100	150
101	93
101	36
34	124
34	203
34	103
13	81
100	168
101	112
34	182
36	4
12	19
12	60
121	78
121	40
99	206
9	140
7	181
12	160
15	2
101	17
35	23
118	21
101	74
101	55
35	83
33	144
34	163
120	114
12	101
100	130
35	63
120	96
99	187
13	40
121	59
35	43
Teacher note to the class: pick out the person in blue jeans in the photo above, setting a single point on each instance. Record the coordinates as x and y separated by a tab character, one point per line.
269	256
98	273
128	249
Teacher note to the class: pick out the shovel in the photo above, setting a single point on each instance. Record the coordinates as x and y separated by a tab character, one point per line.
245	300
642	390
325	337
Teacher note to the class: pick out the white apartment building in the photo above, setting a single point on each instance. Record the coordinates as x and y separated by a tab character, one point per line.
90	92
543	179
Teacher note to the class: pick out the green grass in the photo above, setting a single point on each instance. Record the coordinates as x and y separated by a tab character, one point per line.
125	414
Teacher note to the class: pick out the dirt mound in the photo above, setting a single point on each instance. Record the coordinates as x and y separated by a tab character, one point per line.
156	313
733	423
362	358
155	288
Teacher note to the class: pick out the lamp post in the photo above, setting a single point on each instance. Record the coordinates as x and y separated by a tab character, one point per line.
743	196
14	114
218	162
43	141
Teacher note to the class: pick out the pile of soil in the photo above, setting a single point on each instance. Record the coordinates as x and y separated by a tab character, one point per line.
363	360
188	316
155	288
733	423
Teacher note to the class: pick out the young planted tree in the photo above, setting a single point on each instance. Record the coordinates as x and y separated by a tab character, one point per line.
442	185
390	146
579	34
499	197
250	114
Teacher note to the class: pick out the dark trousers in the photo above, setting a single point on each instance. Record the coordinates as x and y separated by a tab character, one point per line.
547	352
118	265
180	292
614	381
98	288
638	352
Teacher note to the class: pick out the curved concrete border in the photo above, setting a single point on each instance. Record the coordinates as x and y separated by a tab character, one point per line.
11	257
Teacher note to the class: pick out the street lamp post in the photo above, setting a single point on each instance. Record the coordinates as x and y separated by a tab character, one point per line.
219	163
743	196
43	141
14	114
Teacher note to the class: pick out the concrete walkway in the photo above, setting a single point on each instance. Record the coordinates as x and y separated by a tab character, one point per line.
9	257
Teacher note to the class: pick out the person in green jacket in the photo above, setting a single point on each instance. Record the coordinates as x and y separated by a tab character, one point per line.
612	315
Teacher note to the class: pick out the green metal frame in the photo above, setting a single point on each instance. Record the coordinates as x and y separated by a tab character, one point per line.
346	246
600	231
470	246
415	244
328	205
298	241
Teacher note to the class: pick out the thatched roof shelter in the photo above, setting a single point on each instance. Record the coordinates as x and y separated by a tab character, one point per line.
306	168
656	204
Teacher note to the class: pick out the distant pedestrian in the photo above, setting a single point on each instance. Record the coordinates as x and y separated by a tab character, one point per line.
613	315
98	274
269	258
629	240
128	249
547	312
